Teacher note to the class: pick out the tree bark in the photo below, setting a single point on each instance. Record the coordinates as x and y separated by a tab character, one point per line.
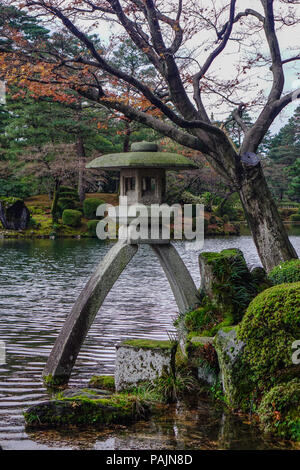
81	168
268	231
54	203
126	142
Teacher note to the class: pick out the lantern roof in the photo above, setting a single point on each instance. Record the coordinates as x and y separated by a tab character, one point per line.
142	155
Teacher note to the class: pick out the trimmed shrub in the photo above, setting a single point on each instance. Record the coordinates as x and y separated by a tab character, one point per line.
90	206
287	214
295	218
279	411
71	217
70	195
92	225
289	271
269	328
65	203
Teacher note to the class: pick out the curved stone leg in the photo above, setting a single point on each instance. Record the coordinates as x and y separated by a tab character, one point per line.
68	344
181	282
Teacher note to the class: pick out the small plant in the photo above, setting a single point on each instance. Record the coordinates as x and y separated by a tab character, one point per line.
171	387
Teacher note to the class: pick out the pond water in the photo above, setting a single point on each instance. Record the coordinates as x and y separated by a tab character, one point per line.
39	282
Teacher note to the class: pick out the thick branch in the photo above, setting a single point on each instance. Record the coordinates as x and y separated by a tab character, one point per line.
209	61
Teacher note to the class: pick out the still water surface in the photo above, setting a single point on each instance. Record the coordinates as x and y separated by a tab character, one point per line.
39	282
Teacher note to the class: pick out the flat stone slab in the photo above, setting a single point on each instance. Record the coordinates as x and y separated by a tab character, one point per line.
140	360
85	407
91	393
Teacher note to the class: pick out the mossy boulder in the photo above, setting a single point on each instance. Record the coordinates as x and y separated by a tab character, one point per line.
227	282
279	411
236	383
203	359
269	329
14	215
86	408
90	206
289	271
106	382
71	217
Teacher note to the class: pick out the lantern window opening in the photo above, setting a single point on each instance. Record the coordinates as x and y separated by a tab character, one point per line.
129	184
148	185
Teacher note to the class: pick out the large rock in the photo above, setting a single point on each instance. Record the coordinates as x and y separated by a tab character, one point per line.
14	215
140	360
227	282
234	377
85	407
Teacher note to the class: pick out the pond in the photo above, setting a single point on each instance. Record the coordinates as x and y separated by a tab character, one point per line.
39	282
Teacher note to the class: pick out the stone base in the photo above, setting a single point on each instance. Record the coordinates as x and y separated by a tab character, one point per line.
141	360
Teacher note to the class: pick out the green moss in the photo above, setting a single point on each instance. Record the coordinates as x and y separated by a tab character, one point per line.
106	382
269	328
226	329
211	257
149	344
286	272
50	381
9	201
279	410
120	409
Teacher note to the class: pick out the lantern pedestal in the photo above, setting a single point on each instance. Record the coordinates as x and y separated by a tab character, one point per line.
69	342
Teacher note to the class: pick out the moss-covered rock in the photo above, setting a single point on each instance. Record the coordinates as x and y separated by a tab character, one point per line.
81	410
14	215
236	381
286	272
269	328
106	382
227	282
71	217
279	411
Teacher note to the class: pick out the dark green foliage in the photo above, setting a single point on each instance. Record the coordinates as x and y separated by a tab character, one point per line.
92	226
289	271
269	328
90	206
295	218
65	203
234	287
71	217
279	411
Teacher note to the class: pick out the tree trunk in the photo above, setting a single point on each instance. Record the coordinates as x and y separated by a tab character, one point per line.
81	168
54	203
268	231
126	142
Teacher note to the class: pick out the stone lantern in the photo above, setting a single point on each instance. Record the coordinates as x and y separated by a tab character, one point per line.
142	172
142	181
